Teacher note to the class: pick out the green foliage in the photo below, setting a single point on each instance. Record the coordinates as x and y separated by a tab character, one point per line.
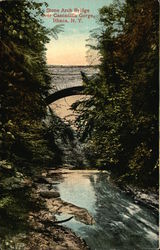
5	202
24	75
120	120
24	84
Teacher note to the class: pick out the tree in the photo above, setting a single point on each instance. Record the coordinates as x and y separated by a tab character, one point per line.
123	107
24	74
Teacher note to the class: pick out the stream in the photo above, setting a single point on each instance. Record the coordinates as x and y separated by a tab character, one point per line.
120	223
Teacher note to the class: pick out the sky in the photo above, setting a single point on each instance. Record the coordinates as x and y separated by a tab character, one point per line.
70	47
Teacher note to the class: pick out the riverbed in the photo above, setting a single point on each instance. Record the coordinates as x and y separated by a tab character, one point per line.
120	223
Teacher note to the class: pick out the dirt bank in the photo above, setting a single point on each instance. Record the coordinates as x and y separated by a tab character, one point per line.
46	233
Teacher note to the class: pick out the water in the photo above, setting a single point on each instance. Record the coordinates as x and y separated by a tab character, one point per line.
120	223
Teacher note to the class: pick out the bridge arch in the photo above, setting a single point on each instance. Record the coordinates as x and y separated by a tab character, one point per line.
76	90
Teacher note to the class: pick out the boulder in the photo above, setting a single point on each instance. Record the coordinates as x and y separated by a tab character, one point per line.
49	194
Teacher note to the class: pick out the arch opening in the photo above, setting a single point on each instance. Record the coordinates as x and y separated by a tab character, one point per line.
76	90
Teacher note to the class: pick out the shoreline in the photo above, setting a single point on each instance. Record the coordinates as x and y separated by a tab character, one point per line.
44	231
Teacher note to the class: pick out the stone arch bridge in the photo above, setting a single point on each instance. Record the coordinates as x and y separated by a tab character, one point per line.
67	81
76	90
